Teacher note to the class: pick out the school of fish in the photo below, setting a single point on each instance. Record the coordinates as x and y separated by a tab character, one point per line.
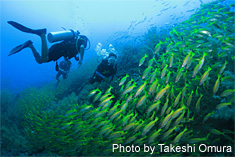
165	104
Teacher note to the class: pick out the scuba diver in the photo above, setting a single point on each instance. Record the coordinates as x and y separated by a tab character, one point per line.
63	69
73	44
106	69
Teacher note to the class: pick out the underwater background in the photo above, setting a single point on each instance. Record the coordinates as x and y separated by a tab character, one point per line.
174	83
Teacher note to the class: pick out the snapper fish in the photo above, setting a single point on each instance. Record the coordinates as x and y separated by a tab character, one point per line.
141	62
216	86
150	63
179	136
146	72
196	69
164	71
158	47
93	92
149	126
186	59
222	105
169	47
204	76
202	60
161	93
140	89
123	80
171	60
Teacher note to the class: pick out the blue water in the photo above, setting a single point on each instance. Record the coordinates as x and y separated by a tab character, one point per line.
100	20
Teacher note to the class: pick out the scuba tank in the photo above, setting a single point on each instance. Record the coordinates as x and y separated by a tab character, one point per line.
62	35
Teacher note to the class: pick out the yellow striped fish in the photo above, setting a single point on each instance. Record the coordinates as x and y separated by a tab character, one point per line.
106	100
171	60
227	92
161	93
150	63
106	105
190	61
153	87
179	119
179	74
124	106
115	115
131	139
141	100
163	71
178	137
149	126
196	140
93	92
108	90
217	132
196	69
129	98
166	134
153	106
154	136
164	107
101	113
167	77
177	112
204	76
202	61
177	99
190	98
139	127
129	83
129	126
140	89
216	86
198	104
113	109
223	67
129	89
116	134
222	105
123	80
186	59
158	47
104	96
97	96
126	118
169	46
184	90
207	116
142	59
165	120
146	72
153	76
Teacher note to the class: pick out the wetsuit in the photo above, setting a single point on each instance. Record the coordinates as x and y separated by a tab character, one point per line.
104	70
66	48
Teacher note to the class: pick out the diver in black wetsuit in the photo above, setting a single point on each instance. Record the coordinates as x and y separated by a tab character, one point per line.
63	69
106	69
68	48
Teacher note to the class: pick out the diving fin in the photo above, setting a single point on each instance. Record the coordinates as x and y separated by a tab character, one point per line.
26	29
20	47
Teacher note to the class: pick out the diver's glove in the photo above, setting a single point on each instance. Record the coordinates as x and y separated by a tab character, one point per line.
76	58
